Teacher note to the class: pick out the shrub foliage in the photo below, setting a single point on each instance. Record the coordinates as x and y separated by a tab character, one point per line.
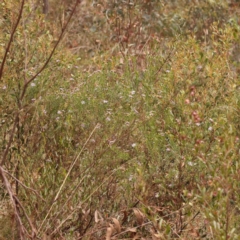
119	120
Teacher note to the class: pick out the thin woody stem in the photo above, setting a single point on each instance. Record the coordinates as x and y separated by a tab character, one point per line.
11	39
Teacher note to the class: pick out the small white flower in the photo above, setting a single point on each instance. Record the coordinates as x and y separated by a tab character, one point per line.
59	112
168	149
33	84
198	124
127	124
109	111
133	92
151	114
4	87
191	164
130	178
134	145
105	101
108	119
111	142
210	129
83	102
199	67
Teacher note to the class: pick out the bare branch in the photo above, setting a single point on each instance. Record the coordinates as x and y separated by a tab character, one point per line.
45	6
21	229
52	52
28	219
21	183
11	39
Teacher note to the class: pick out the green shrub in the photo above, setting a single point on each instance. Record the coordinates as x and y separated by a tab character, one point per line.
125	145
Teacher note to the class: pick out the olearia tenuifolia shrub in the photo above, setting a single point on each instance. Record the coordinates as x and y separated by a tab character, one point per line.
125	146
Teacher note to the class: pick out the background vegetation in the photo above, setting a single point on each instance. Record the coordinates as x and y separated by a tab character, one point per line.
127	128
